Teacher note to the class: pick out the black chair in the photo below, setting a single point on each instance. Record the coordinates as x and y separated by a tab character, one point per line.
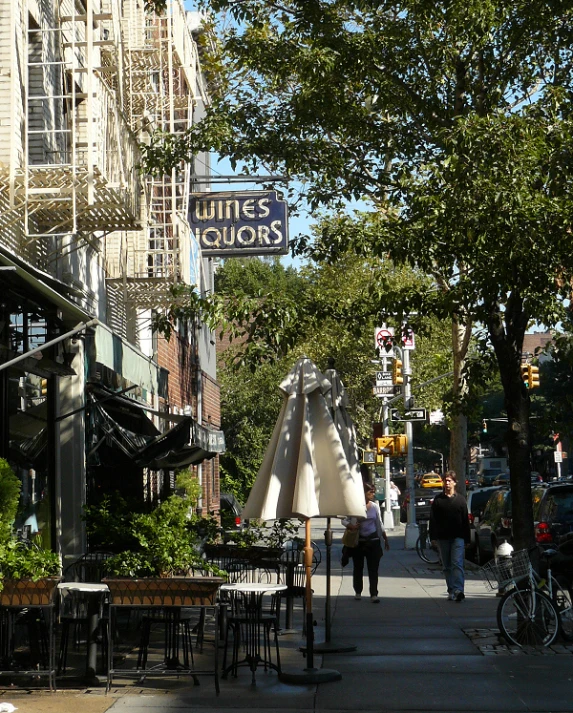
248	623
293	574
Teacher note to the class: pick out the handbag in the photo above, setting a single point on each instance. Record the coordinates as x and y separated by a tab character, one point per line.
350	537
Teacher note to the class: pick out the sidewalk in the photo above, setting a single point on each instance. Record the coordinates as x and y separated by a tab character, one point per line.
415	651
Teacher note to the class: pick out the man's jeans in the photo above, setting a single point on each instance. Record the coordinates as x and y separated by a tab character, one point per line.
453	552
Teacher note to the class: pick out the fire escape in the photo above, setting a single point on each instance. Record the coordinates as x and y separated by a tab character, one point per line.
161	83
74	181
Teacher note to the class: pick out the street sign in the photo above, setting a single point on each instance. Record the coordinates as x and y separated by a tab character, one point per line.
383	377
383	390
384	338
408	339
413	414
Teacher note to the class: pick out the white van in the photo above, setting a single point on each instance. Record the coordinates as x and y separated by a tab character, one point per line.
489	469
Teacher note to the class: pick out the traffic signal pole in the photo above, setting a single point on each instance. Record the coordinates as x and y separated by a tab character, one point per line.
388	517
412	526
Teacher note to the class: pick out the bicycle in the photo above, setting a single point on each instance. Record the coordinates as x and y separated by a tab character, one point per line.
526	615
426	551
560	595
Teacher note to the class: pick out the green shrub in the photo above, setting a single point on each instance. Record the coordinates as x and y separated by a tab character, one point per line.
21	560
10	488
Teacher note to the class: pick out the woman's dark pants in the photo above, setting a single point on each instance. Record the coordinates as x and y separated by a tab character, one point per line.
371	551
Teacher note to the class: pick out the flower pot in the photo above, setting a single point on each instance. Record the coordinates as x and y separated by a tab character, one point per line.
163	592
27	593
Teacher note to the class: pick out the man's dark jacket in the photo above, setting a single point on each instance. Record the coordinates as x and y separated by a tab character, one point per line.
449	518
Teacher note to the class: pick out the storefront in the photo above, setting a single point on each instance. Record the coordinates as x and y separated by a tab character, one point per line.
38	366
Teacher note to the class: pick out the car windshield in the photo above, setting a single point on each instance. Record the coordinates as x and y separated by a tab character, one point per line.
560	506
479	500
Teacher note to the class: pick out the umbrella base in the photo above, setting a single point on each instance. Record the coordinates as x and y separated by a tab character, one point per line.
310	675
331	647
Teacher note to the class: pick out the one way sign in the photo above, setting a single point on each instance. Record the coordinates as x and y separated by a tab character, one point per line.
413	414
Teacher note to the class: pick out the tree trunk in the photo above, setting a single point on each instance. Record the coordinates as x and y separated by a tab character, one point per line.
458	449
459	427
508	344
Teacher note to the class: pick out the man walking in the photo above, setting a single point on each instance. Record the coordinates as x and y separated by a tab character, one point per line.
450	528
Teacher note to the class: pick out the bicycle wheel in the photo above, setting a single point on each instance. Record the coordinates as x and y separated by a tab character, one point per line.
426	552
564	604
527	618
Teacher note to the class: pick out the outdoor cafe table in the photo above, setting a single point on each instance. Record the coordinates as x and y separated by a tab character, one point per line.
164	597
251	594
94	593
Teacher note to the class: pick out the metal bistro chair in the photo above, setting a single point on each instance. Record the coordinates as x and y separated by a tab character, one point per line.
248	623
293	574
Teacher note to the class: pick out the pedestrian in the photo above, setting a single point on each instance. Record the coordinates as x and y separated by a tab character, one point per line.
395	503
394	493
369	547
450	529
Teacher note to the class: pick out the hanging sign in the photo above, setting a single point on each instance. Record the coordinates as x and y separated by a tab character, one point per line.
239	223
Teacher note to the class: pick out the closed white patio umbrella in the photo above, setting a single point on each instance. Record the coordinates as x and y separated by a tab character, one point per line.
305	474
337	400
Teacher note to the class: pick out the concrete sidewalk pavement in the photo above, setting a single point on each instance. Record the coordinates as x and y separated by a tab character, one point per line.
415	651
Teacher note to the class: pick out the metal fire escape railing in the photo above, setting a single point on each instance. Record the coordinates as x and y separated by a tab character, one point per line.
79	161
161	81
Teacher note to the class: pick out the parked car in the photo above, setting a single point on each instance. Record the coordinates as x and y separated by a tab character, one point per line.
477	501
487	476
231	519
431	480
553	512
423	498
494	527
502	479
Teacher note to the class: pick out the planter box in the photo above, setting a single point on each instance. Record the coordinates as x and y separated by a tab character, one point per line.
164	592
27	593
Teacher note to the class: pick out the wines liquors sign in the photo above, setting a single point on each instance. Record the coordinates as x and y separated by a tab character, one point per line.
239	223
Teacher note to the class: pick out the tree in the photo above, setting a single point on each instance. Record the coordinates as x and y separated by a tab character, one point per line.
336	322
452	119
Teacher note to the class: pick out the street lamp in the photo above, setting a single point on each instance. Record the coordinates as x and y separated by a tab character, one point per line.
431	450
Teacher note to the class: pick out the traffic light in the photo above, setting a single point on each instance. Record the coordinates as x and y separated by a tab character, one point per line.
397	377
484	426
43	388
400	444
396	445
385	445
369	457
525	374
533	376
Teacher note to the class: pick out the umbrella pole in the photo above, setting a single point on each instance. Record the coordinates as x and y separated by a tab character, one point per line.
328	646
309	617
309	674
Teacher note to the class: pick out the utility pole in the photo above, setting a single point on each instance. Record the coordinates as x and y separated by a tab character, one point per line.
388	516
412	526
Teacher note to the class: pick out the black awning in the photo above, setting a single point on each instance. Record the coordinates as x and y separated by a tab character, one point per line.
185	444
121	423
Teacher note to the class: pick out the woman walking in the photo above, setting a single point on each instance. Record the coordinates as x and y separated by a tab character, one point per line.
369	548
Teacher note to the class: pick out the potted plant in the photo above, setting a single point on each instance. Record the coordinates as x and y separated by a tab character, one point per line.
28	573
164	549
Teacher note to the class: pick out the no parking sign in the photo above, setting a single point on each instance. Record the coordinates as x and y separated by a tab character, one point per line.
384	338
